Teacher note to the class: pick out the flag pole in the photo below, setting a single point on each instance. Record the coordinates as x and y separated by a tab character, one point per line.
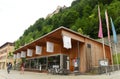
115	41
103	48
100	34
108	32
111	55
116	56
104	53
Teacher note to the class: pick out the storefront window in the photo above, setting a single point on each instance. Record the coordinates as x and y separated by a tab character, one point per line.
53	60
27	64
42	63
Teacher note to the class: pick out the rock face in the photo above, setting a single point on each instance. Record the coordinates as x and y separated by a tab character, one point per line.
56	11
112	43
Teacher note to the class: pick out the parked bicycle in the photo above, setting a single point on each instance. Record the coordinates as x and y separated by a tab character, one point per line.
63	71
53	70
60	71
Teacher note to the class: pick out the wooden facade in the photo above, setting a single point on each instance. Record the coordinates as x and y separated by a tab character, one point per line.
86	50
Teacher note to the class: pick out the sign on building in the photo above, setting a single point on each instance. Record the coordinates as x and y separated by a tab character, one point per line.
38	50
15	56
29	52
50	46
67	42
23	54
18	55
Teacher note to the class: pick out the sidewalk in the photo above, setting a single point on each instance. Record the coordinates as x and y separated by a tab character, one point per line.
34	75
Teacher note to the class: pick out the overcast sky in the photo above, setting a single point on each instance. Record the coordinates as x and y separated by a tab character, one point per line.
18	15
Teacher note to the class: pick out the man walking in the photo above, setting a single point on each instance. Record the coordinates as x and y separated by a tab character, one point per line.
9	66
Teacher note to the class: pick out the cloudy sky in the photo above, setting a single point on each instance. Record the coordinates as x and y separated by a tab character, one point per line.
18	15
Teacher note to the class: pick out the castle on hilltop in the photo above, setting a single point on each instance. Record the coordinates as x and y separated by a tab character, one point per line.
59	8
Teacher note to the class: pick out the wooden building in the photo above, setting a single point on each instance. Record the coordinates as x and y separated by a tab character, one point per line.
62	47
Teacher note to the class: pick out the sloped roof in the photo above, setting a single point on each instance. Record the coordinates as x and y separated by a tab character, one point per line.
54	33
12	44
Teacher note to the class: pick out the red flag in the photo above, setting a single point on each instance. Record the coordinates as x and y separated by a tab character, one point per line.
107	22
100	33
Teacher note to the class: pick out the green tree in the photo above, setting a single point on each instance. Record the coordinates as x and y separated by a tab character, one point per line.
81	16
69	18
10	54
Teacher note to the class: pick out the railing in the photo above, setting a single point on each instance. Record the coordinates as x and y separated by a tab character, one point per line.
104	69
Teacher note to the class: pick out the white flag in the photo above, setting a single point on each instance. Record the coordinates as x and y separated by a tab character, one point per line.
67	42
23	54
29	52
15	56
18	55
50	47
38	50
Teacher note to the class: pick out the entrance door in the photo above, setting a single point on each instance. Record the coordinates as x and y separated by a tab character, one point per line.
88	58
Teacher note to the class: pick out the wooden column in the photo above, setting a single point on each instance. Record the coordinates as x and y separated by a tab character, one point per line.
61	61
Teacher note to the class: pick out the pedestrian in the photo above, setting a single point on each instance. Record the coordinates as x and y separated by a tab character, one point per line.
75	65
9	66
22	68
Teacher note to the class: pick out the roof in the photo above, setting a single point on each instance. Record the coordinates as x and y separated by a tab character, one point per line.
58	31
12	44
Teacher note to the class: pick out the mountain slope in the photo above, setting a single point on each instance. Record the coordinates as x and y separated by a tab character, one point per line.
81	16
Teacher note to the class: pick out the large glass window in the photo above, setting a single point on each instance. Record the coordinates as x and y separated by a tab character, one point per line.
53	60
42	63
27	64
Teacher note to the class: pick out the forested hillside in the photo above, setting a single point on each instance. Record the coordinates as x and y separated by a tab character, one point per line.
81	16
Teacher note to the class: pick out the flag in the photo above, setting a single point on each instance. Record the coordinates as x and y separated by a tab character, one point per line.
67	42
15	56
114	32
23	54
38	50
50	46
29	52
107	22
100	33
18	55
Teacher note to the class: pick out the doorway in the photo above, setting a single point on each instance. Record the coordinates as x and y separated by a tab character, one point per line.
88	58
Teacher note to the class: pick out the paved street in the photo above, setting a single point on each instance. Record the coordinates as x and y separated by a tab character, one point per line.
34	75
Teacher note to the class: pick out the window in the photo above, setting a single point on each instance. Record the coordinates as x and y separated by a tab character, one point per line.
88	45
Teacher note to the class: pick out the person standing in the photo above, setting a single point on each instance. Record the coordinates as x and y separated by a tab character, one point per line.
9	66
76	65
22	68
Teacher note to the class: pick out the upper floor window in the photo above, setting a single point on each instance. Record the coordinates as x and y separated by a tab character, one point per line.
88	45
